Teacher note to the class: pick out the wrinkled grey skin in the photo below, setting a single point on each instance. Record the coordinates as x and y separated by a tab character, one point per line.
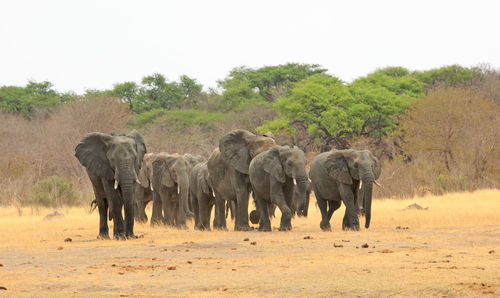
202	197
228	169
336	176
112	163
143	192
192	161
273	174
170	190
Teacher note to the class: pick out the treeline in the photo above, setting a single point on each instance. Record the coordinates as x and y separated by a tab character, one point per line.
434	130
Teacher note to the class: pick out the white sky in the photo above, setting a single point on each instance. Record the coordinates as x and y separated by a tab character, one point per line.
80	45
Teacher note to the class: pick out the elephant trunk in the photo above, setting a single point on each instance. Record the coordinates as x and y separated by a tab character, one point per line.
367	179
301	187
184	195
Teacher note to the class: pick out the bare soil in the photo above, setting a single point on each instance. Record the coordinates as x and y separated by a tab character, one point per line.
451	249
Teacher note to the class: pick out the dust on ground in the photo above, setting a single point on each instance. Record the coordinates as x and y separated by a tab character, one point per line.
450	249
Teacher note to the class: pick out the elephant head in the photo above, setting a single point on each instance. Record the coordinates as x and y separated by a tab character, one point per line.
358	167
239	147
172	171
113	157
282	162
146	172
193	160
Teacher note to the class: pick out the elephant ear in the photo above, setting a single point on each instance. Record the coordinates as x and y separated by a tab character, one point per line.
272	164
145	174
235	150
91	152
203	180
337	168
140	147
377	169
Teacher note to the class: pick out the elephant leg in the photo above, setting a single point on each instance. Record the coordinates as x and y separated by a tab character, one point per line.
139	212
102	206
169	208
264	221
156	217
232	208
351	215
278	198
332	206
205	210
325	219
219	218
115	206
196	209
242	196
180	215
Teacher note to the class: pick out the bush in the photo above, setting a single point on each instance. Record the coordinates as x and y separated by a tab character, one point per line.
54	192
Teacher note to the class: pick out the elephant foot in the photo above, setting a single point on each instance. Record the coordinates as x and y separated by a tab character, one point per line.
182	227
285	228
325	226
265	228
119	236
350	228
243	228
103	236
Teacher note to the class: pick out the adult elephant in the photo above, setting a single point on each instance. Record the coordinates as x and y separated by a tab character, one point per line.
336	175
112	163
228	170
192	160
273	175
143	192
170	190
201	192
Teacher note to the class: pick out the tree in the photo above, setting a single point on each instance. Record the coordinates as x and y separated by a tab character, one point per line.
126	91
323	106
267	83
451	75
156	92
458	126
386	93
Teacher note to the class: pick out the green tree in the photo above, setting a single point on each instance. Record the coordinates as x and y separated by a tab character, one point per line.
451	75
322	105
156	92
385	95
126	91
267	83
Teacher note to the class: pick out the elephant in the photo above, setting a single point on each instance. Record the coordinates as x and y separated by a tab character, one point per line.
202	196
228	171
112	163
336	176
143	192
273	175
192	160
170	190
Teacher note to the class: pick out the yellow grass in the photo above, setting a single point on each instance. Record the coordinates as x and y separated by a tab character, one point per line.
451	249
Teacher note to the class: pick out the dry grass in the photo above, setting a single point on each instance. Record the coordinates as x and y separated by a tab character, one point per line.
446	251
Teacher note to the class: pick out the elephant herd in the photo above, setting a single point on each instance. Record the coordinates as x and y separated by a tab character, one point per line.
125	177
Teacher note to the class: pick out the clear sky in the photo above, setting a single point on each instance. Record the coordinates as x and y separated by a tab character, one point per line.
80	45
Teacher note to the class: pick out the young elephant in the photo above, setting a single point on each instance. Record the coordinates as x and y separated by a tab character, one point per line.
143	192
273	174
336	176
202	198
170	190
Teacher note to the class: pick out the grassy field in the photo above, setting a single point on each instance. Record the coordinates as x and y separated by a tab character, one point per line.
451	249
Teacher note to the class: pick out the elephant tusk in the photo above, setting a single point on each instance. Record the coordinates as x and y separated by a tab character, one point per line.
360	183
294	181
151	186
213	193
116	184
178	189
378	184
138	182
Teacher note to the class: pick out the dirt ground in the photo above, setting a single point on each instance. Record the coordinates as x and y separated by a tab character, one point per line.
451	249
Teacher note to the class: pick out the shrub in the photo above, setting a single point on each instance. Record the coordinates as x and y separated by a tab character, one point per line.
54	192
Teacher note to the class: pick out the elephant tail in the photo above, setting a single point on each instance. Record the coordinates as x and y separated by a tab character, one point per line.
93	205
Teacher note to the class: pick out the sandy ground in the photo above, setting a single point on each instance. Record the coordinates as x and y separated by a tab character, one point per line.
451	249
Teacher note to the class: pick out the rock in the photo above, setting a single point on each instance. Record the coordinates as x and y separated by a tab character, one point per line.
337	245
416	207
307	237
54	215
3	288
171	268
365	245
253	243
68	240
246	239
491	251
